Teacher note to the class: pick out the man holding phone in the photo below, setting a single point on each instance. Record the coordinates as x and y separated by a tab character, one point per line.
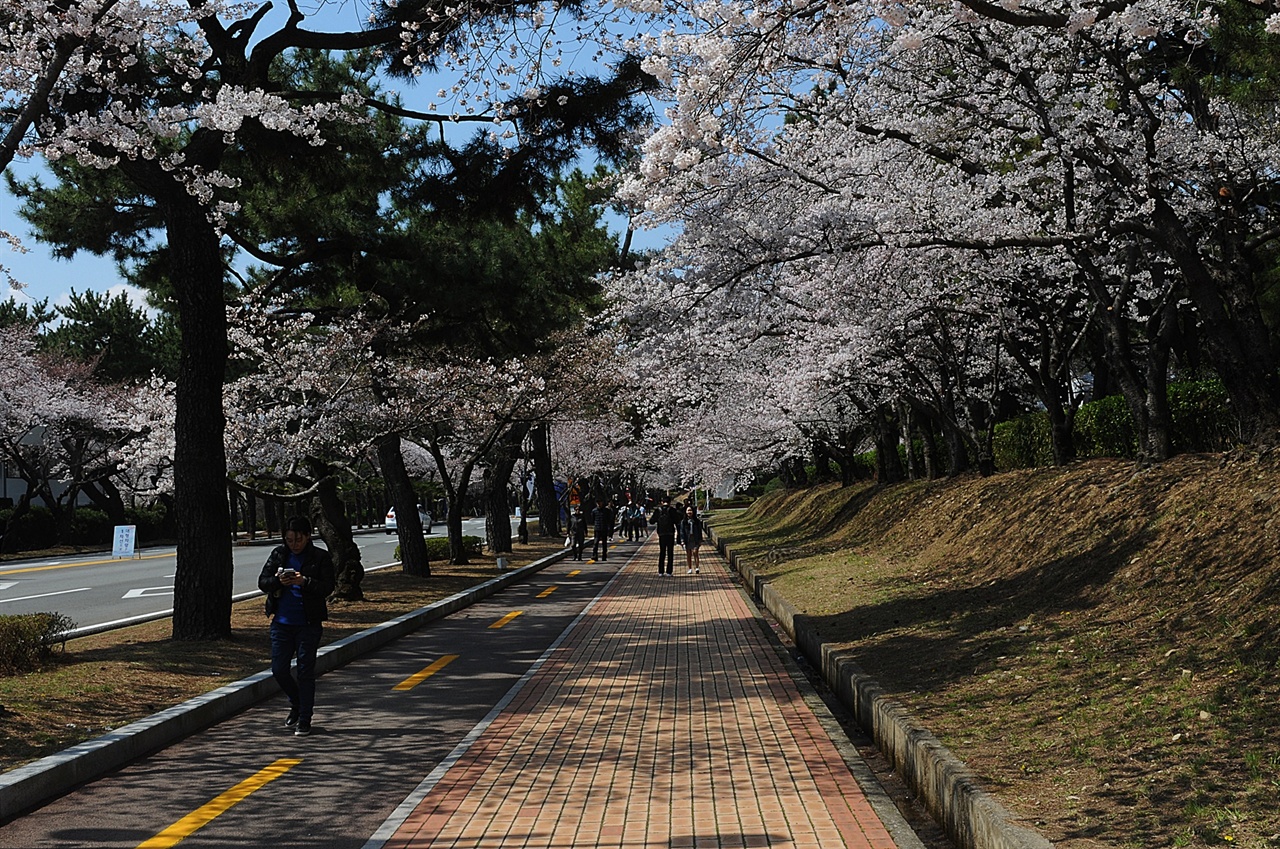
297	578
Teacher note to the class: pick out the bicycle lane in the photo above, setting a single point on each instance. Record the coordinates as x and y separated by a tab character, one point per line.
383	721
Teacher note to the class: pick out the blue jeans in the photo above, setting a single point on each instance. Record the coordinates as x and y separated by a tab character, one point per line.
300	641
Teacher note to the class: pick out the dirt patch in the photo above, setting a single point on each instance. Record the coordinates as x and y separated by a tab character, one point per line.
1098	642
108	680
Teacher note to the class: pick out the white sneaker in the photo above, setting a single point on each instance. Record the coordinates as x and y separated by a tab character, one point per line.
697	570
688	571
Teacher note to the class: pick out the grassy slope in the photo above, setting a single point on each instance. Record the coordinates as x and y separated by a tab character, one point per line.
1099	642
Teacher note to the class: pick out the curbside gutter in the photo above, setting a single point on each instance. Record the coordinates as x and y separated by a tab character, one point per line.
947	787
29	786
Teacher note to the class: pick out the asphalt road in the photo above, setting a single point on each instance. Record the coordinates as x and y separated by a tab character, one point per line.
383	724
94	590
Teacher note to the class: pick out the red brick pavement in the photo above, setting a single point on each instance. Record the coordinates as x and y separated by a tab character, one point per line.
664	719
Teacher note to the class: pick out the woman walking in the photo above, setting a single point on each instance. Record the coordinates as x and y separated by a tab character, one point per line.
691	538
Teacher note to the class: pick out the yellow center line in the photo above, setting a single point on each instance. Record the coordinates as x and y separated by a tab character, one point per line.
81	563
548	591
206	813
504	620
575	573
418	677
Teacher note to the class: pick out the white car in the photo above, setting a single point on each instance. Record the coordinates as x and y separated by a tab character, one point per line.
423	516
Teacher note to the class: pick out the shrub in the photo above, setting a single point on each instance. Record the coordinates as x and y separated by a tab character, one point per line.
27	640
1023	443
152	522
1202	419
88	526
1104	428
438	547
34	529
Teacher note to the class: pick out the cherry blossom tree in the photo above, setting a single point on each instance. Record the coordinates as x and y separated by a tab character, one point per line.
915	178
59	425
173	95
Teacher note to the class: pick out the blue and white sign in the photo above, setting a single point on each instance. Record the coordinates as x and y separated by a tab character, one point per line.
125	541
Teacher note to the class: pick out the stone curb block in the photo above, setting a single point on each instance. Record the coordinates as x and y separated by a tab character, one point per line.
29	786
970	816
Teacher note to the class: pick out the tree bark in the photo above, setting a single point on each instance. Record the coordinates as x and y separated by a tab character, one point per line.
202	584
329	516
413	544
888	462
548	502
497	474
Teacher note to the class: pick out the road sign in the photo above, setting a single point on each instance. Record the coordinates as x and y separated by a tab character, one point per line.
125	541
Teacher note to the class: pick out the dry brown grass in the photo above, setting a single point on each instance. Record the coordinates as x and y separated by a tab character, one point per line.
1098	642
108	680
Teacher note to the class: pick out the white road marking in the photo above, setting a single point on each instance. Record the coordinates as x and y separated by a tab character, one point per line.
148	592
44	595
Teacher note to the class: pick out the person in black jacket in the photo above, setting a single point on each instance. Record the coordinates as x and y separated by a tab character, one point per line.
577	533
297	578
602	520
665	521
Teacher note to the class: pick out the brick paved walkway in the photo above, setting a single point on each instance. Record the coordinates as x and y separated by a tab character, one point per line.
664	719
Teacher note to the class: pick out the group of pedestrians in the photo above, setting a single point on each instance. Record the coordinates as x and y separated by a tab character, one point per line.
298	577
674	524
675	527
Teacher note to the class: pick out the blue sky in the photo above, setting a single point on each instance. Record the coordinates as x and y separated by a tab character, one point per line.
47	277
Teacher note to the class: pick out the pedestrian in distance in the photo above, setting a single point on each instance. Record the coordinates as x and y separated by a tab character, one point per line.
691	538
633	519
602	521
666	523
297	578
577	533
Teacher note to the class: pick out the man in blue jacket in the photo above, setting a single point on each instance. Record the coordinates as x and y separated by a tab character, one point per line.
297	578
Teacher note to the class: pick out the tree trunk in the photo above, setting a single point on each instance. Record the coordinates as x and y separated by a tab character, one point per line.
413	544
202	584
251	516
329	516
496	522
544	479
502	462
106	497
888	462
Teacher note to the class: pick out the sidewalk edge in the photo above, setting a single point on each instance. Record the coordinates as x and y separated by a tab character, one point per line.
26	787
970	816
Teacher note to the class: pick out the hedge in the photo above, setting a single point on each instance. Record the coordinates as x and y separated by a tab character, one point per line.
438	547
1200	415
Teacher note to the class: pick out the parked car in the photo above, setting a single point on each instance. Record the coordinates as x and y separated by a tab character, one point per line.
423	516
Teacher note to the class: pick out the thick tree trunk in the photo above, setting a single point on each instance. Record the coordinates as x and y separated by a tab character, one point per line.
496	522
501	463
202	583
548	502
413	545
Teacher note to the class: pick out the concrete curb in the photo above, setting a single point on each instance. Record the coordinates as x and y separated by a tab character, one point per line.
34	784
947	787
